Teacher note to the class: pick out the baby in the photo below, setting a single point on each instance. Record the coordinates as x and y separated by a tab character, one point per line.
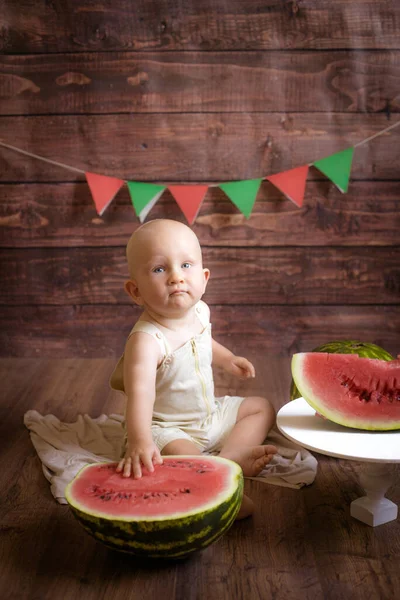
166	370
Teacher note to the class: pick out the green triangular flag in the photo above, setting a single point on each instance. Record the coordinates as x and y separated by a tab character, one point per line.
144	196
242	193
337	168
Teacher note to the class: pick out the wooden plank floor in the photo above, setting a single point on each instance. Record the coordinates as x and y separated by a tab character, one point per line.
300	544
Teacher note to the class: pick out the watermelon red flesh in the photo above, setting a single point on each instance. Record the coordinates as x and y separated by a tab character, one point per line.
175	487
355	392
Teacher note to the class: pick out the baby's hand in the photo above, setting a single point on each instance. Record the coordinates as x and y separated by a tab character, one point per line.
138	455
241	367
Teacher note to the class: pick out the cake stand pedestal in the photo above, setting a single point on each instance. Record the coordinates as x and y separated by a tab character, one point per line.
377	450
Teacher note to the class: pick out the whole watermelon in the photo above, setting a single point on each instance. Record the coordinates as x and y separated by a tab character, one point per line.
363	349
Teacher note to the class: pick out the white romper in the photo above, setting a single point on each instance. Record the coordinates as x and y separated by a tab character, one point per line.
185	406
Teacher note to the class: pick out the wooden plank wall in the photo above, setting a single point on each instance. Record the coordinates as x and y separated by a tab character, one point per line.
182	91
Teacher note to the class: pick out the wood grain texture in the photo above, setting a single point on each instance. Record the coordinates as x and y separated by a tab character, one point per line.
336	487
174	25
172	92
299	545
101	331
193	147
180	82
281	275
64	215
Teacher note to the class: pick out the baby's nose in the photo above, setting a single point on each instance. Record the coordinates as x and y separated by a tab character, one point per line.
176	274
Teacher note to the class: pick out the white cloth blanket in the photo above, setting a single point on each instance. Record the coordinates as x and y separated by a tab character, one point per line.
64	448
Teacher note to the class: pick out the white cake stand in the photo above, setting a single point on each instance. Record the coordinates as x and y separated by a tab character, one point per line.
378	451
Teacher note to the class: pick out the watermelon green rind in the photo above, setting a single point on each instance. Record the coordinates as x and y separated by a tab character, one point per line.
356	417
176	535
362	349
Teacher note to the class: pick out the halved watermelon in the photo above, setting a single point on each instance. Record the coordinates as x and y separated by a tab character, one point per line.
187	503
364	349
363	393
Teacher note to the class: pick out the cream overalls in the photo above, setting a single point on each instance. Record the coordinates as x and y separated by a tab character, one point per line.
185	406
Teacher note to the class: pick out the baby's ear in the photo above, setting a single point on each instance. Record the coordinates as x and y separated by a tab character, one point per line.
132	290
206	277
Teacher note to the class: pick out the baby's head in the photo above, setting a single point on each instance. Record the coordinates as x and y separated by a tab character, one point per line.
164	257
163	233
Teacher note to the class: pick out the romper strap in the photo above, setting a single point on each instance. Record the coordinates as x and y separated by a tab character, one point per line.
117	377
152	330
203	313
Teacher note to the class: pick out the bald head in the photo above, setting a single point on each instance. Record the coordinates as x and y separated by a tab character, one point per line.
154	236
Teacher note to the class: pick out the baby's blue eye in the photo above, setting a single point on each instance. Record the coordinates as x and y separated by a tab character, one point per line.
158	270
186	265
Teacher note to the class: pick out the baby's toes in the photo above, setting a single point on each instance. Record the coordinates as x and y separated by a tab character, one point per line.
263	461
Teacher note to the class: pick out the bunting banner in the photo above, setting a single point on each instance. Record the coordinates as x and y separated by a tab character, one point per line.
189	199
337	168
144	196
242	194
104	189
291	183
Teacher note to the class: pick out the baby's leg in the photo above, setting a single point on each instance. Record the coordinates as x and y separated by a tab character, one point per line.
244	445
182	446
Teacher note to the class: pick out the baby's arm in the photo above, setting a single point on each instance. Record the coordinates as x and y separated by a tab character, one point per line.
140	364
237	365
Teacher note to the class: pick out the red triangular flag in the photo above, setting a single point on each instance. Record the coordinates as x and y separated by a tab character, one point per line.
189	199
292	183
104	189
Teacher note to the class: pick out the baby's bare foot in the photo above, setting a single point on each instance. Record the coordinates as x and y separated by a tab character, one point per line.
253	459
246	509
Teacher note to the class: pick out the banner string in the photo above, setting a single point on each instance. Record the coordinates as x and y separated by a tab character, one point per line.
42	158
65	166
372	137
